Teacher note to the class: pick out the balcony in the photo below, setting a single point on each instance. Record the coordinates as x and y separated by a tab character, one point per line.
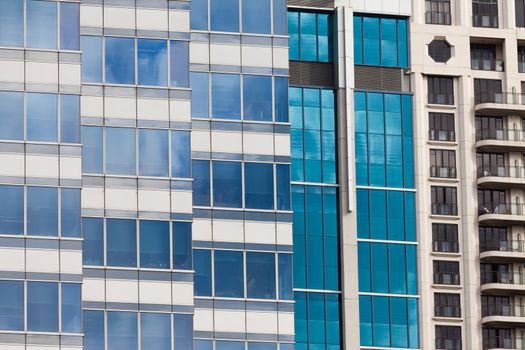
501	177
447	279
444	209
441	99
442	135
503	213
521	63
487	64
502	315
499	103
434	17
500	343
449	247
443	172
500	140
502	283
498	251
485	21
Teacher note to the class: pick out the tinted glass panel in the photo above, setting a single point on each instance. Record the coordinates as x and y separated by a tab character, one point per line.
199	14
257	98
256	16
155	244
260	275
201	182
279	17
12	210
12	113
42	306
229	277
41	24
258	185
42	211
122	331
12	23
12	305
202	266
182	331
180	154
155	331
153	152
91	47
70	212
227	184
224	15
93	328
69	26
182	245
71	293
121	243
281	99
120	60
152	62
41	117
226	95
120	151
93	248
285	277
91	149
199	95
70	118
180	64
283	186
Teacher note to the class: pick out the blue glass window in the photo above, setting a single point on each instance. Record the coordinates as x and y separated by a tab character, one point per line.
316	318
399	326
71	295
41	24
260	275
155	244
70	212
41	117
293	32
122	331
379	268
308	31
182	245
365	272
228	274
202	266
93	234
389	55
225	96
256	16
381	317
324	37
183	331
281	99
11	210
180	63
285	277
70	118
153	152
258	185
92	149
180	154
203	344
42	211
201	182
120	151
93	327
155	331
91	47
199	15
257	98
199	95
358	40
69	26
12	305
283	186
365	320
12	23
371	41
229	345
333	327
12	112
227	184
310	36
224	15
279	17
42	306
121	242
152	62
120	60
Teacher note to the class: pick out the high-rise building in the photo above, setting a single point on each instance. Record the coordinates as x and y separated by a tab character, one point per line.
262	174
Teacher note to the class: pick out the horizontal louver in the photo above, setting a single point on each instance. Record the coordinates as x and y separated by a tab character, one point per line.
378	78
312	74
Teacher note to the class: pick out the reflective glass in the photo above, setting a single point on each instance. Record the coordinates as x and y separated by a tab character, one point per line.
227	184
11	210
120	151
260	275
180	64
70	212
229	345
42	306
381	317
397	268
285	277
293	32
182	331
203	344
202	267
182	245
12	305
42	211
225	95
155	244
262	346
71	295
93	248
324	38
399	320
279	17
365	272
283	186
121	243
12	23
199	95
402	42
153	152
122	331
389	42
180	154
69	26
41	117
371	41
199	15
152	62
281	99
258	185
91	47
333	328
358	40
308	35
200	170
256	16
92	149
413	323
229	276
379	268
41	24
224	15
365	320
70	118
316	318
257	98
155	331
93	328
12	112
120	60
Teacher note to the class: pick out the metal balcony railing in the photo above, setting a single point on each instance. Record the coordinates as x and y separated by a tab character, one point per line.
508	98
516	172
502	208
434	17
444	209
443	172
500	135
496	245
442	135
488	64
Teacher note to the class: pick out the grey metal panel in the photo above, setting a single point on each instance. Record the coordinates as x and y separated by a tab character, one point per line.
312	74
378	78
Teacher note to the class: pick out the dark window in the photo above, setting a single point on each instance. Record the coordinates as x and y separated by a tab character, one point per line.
445	238
520	13
494	273
444	200
494	238
441	127
448	337
490	164
447	305
497	338
441	90
437	12
439	50
442	163
489	128
488	91
446	272
492	201
521	56
485	13
492	305
483	57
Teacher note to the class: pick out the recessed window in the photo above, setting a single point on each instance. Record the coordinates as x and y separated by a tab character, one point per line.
439	50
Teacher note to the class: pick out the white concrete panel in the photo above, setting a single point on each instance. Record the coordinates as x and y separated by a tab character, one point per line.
405	7
155	292
201	230
42	72
230	321
257	56
70	74
199	53
228	231
92	106
180	111
373	5
228	142
122	291
284	233
12	259
200	141
12	71
390	6
282	145
280	57
151	200
179	21
42	166
259	232
153	109
261	322
203	320
121	199
11	164
182	293
119	17
71	261
181	202
90	16
42	260
71	168
225	54
120	107
152	19
93	289
5	346
92	197
286	323
258	143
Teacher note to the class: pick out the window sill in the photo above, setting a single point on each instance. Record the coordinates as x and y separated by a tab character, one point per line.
442	143
446	255
444	217
447	319
447	286
437	106
443	179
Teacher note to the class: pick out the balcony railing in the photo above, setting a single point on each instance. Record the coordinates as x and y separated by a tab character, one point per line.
500	135
516	172
502	277
441	99
447	311
521	63
509	310
448	344
502	246
443	172
485	21
434	17
442	135
445	246
502	208
502	342
489	64
446	278
444	209
508	98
